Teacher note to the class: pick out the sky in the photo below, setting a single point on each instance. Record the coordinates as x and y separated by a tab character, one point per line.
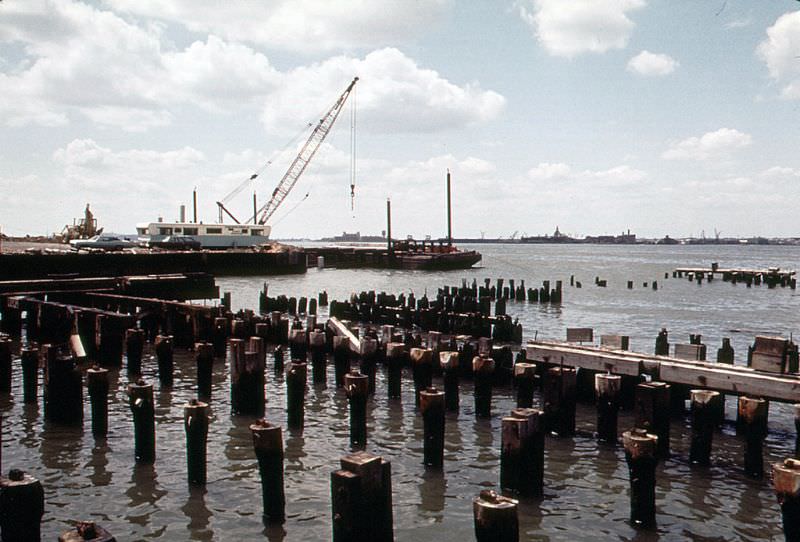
663	117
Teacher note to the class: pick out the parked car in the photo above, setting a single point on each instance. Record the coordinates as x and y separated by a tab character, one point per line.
104	242
176	242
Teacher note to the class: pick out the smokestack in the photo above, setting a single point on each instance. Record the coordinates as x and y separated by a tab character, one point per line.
449	213
255	209
389	226
182	214
194	204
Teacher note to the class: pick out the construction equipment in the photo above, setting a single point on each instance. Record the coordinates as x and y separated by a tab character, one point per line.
81	228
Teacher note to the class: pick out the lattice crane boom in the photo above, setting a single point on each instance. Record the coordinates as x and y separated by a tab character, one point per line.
305	155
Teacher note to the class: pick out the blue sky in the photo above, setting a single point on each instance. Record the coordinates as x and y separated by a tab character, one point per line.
665	117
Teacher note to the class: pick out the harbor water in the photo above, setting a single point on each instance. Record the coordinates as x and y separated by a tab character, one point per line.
586	484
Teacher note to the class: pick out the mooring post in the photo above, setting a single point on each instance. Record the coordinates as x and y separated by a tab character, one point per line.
702	426
450	364
495	518
531	452
395	358
422	367
431	405
608	388
268	445
640	454
30	374
316	341
525	380
296	377
361	495
341	358
786	481
558	399
652	413
21	507
140	397
134	346
5	365
205	366
753	414
195	423
356	386
98	394
166	363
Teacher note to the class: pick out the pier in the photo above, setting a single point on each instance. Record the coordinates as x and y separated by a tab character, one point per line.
772	276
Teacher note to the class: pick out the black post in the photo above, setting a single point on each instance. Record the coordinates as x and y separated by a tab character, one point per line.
449	362
483	370
195	423
524	378
21	507
30	374
268	444
431	404
753	415
98	394
296	376
702	426
205	365
495	518
140	396
607	387
356	386
786	481
395	357
640	454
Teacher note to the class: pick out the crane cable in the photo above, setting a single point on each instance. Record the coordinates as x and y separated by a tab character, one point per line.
353	152
287	213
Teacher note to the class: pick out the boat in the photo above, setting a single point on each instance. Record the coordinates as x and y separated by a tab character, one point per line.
210	236
429	256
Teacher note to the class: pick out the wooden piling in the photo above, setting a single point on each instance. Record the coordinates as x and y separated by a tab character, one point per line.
5	365
296	377
268	445
316	341
298	345
205	365
341	358
98	394
21	507
702	426
513	433
86	531
641	457
356	386
134	346
450	364
495	518
166	362
483	371
525	380
63	389
531	452
361	495
652	413
753	415
422	370
662	343
29	359
395	358
431	405
558	399
140	398
786	481
607	387
195	423
369	359
219	336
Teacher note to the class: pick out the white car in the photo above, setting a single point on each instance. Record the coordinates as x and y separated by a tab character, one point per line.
104	242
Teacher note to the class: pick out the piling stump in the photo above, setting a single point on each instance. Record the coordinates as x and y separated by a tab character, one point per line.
268	445
341	359
21	507
195	423
450	364
30	374
422	368
395	358
205	365
357	388
5	365
316	341
247	380
296	377
431	405
607	387
98	394
652	413
361	493
531	475
786	481
63	389
134	347
753	415
495	518
86	531
702	426
140	397
166	362
640	454
558	399
525	380
483	372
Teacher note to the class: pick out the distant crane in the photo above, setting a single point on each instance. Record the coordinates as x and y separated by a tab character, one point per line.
513	236
298	166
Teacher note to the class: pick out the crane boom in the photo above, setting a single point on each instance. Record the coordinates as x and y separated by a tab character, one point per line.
305	155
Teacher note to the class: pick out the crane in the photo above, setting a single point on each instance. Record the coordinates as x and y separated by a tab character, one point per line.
302	159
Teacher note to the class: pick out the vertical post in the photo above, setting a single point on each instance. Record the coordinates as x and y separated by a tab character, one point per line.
431	404
361	494
255	208
5	365
195	423
753	415
524	378
483	370
140	396
219	336
341	358
449	213
796	408
298	345
449	362
318	357
495	518
652	413
607	387
356	386
205	365
30	374
369	355
395	356
702	426
558	398
296	377
532	452
134	346
513	434
21	506
98	394
421	365
640	454
63	389
166	363
194	205
786	481
389	228
268	444
662	343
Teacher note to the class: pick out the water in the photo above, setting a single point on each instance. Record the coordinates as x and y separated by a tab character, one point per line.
586	485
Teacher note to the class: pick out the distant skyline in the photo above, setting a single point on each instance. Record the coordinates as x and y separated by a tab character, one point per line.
596	116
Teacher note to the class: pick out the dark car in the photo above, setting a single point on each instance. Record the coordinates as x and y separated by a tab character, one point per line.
176	242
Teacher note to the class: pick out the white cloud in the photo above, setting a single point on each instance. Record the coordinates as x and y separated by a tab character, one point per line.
652	64
393	94
616	176
740	23
299	25
781	53
780	173
719	143
569	28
